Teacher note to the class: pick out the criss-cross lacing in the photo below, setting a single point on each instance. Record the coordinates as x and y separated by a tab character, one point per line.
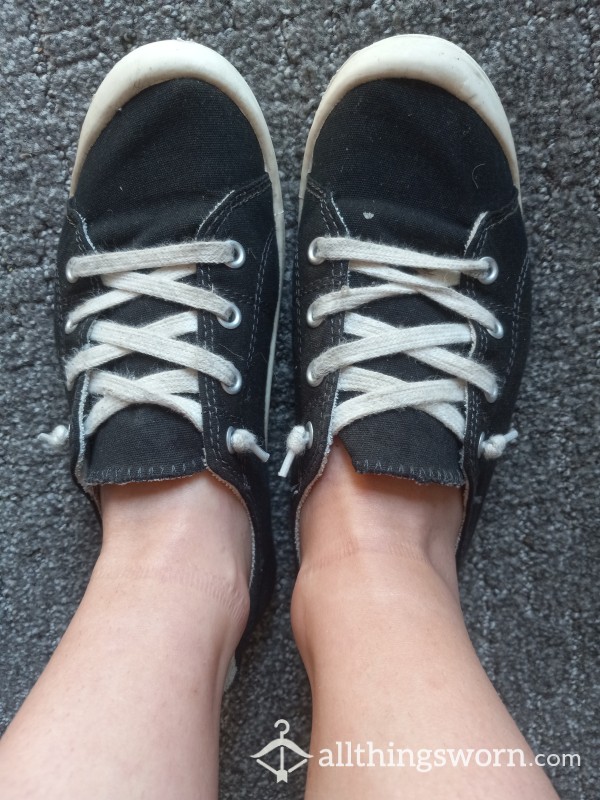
401	272
163	268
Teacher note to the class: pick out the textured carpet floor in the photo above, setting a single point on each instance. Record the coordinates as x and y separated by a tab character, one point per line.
530	588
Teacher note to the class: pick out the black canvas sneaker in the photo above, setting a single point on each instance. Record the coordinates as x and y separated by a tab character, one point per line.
168	282
412	289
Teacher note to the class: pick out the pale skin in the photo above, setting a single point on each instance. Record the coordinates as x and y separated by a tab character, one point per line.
377	619
128	706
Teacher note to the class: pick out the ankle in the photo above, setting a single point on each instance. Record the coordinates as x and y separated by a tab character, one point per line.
191	530
182	546
365	594
373	548
348	513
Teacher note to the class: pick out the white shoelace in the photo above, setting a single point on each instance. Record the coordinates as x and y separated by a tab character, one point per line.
431	276
111	340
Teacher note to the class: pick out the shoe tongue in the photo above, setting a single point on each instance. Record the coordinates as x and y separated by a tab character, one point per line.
407	443
391	222
150	222
145	442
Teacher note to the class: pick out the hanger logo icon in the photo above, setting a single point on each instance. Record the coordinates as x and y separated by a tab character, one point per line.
282	744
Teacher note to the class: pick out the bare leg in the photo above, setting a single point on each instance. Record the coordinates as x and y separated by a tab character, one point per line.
377	619
128	706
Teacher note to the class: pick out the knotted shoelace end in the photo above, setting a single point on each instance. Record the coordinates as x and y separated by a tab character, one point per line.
297	442
239	440
495	446
56	439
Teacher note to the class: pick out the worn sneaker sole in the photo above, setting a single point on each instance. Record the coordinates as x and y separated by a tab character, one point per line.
162	61
417	57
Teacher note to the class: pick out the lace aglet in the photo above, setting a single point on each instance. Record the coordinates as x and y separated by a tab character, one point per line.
261	454
287	463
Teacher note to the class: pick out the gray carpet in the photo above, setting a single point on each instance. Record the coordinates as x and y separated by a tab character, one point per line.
530	586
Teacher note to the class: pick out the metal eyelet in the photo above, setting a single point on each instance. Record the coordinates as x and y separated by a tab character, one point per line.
311	378
497	331
492	396
230	431
70	325
310	319
239	255
312	253
69	273
480	445
311	433
234	319
492	270
235	386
